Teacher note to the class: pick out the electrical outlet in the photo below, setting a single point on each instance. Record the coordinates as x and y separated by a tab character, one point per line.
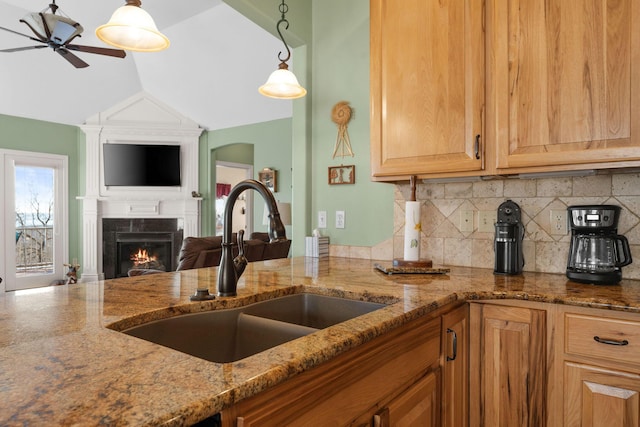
322	219
466	221
558	222
340	219
486	221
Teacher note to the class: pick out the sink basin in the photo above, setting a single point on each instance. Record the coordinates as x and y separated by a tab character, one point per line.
314	311
232	334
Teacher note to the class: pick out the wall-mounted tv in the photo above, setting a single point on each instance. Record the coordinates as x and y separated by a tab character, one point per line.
145	165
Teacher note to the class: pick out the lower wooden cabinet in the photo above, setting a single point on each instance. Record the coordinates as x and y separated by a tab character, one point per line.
508	367
599	352
539	364
397	373
491	363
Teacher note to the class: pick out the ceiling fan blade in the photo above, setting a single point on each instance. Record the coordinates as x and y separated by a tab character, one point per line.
118	53
18	49
74	60
23	35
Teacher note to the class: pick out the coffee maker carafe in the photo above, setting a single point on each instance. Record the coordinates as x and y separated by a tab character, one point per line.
597	253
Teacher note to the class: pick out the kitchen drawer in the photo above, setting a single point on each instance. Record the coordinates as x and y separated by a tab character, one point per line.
581	332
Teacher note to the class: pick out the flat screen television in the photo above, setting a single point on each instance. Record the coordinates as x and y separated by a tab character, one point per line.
141	165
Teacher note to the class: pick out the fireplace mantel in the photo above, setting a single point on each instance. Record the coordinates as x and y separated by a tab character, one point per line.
140	119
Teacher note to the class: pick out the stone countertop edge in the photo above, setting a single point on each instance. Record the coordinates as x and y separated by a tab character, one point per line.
63	361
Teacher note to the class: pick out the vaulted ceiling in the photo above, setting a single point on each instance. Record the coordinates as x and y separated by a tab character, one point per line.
210	73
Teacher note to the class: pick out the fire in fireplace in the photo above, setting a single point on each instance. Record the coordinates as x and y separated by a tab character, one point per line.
149	250
140	244
144	259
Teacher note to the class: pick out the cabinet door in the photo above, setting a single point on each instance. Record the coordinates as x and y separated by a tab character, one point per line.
348	388
600	397
564	82
509	366
455	368
418	406
427	87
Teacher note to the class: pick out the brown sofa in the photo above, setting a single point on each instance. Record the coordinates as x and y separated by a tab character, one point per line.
198	252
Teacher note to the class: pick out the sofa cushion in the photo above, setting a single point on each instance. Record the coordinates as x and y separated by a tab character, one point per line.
254	249
193	246
276	250
199	252
207	258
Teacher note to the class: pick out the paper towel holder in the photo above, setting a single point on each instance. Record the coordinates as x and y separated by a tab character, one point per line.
413	263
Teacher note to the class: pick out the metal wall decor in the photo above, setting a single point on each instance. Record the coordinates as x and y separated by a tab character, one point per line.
341	115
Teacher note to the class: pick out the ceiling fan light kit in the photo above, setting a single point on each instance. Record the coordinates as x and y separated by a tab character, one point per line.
132	28
282	83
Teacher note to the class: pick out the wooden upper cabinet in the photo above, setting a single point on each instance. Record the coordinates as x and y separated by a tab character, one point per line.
427	87
564	82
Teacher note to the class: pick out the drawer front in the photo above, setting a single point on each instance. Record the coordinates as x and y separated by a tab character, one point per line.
600	337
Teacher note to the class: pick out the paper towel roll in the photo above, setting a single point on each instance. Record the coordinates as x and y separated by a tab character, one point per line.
412	229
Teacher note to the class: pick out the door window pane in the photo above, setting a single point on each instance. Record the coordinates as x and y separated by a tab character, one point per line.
34	211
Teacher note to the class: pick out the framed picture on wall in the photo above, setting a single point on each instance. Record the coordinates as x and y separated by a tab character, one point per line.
268	177
342	175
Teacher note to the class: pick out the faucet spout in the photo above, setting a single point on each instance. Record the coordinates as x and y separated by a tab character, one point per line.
231	269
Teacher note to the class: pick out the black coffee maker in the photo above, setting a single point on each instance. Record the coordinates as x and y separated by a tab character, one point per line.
597	253
508	239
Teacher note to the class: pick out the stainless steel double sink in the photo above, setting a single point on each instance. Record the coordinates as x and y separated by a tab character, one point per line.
229	335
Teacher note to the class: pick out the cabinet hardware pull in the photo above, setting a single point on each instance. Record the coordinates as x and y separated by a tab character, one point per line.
610	342
455	345
477	148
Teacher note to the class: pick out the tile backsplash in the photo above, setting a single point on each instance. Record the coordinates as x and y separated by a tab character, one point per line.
444	242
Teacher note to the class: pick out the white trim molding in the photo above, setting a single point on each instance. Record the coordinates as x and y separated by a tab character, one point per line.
140	119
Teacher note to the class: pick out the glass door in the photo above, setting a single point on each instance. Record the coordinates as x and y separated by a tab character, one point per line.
35	219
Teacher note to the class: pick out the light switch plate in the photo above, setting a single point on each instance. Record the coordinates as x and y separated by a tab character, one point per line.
340	219
466	221
322	219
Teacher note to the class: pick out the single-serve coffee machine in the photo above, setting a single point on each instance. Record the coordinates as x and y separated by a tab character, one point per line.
597	253
507	245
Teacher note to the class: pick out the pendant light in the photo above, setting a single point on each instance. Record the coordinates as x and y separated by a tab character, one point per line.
132	28
282	83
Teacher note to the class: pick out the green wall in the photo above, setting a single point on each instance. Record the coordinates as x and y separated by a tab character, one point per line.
341	73
331	59
22	134
270	143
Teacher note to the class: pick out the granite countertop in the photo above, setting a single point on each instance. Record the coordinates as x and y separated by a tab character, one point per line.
62	362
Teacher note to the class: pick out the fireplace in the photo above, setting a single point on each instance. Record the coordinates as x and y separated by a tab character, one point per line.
140	244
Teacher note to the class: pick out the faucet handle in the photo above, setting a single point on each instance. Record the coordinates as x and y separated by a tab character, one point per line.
240	262
240	242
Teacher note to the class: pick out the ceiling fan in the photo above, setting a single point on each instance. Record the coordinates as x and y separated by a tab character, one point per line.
57	31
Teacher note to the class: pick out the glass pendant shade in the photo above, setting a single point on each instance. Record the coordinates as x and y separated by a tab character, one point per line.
132	28
282	84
